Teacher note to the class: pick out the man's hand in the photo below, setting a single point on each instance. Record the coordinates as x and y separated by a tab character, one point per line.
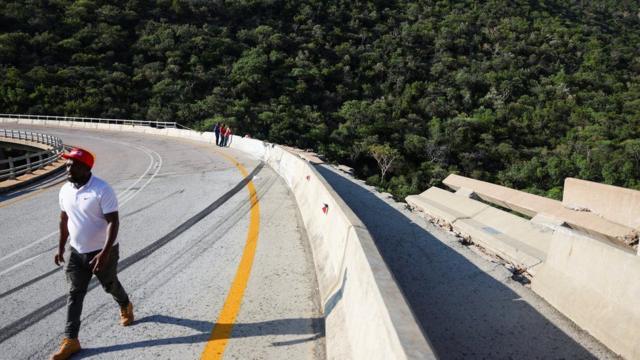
99	261
59	258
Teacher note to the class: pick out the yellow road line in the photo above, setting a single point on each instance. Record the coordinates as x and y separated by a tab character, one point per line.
222	330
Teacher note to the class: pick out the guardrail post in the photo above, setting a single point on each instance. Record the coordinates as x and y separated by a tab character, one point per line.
29	170
12	173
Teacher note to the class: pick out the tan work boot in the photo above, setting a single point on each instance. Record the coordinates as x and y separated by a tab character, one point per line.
126	315
68	348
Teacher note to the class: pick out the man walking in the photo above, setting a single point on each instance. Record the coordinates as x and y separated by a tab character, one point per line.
89	218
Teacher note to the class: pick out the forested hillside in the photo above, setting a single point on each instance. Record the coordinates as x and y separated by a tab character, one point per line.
522	93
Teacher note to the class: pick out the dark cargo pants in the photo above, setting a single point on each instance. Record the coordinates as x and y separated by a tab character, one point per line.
79	274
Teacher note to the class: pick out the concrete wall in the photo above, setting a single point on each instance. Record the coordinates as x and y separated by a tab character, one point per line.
597	286
611	202
591	280
519	241
533	205
519	201
366	315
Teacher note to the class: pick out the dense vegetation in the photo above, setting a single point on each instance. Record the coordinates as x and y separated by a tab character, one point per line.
522	93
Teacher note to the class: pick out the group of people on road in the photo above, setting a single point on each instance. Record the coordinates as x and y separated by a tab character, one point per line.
223	134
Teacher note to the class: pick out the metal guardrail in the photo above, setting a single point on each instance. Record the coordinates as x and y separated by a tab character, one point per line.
34	161
155	124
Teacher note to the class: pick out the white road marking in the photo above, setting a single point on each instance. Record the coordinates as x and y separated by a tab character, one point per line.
124	199
23	262
29	246
151	163
158	166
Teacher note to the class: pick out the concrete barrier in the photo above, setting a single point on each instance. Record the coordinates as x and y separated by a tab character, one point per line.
444	205
611	202
514	239
254	147
590	279
517	240
519	201
366	315
116	127
596	285
137	129
532	205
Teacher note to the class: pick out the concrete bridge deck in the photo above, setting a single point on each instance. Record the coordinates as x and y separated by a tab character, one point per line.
466	303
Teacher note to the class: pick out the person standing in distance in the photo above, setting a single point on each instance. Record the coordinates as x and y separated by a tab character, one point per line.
89	219
216	130
223	129
227	136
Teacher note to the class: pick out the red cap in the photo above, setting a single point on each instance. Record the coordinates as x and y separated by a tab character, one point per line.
81	155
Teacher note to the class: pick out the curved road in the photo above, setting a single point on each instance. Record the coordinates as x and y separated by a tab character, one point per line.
186	236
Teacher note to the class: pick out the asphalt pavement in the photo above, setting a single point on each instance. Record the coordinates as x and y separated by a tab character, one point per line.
186	216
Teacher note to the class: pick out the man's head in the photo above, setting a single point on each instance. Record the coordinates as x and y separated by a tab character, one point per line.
79	164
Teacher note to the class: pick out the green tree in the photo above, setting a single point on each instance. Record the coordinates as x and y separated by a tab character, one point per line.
385	156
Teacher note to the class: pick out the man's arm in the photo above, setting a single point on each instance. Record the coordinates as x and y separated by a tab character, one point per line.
64	235
113	224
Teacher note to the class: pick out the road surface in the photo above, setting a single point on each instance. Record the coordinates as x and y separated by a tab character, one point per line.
190	214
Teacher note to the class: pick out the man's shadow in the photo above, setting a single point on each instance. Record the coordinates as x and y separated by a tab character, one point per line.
463	311
296	326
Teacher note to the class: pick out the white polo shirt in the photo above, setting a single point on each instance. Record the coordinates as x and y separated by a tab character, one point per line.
85	208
